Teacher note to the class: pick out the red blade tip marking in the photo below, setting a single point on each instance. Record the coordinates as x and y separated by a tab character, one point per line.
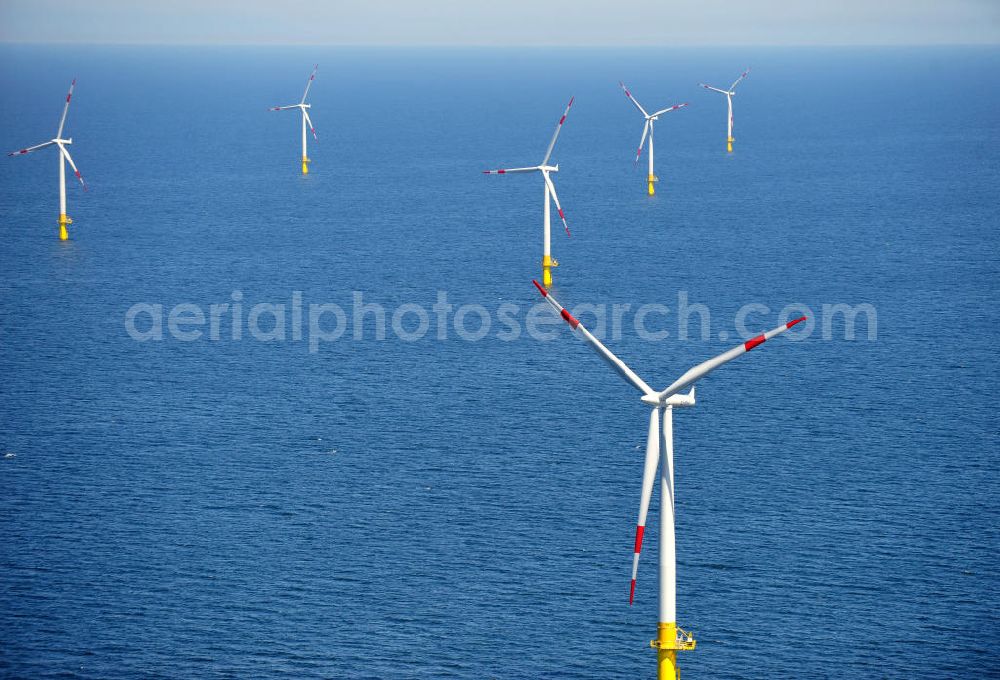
639	530
753	342
571	99
561	215
541	290
792	323
570	319
631	593
562	120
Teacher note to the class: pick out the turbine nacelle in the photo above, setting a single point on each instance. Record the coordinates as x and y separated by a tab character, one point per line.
672	400
62	141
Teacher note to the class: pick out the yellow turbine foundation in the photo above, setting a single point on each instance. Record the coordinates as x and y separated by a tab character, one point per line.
729	144
63	221
305	165
547	264
652	179
667	645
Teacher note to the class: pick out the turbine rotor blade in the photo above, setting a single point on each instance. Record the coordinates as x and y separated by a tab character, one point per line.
282	108
507	171
713	89
648	479
706	367
62	121
309	83
36	147
738	80
552	190
642	142
309	121
555	135
69	158
670	108
617	364
632	99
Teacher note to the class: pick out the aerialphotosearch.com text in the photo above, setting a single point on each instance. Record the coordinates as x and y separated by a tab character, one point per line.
318	323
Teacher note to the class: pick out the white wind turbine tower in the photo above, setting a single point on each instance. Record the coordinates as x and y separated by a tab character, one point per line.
304	108
64	156
730	93
660	449
550	191
647	129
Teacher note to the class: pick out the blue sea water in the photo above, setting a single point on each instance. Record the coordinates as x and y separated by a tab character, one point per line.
449	508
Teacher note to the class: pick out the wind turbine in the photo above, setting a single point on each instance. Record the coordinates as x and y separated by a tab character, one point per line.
660	447
63	157
648	129
550	190
303	107
730	93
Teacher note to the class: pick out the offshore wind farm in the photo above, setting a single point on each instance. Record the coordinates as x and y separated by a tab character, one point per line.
260	421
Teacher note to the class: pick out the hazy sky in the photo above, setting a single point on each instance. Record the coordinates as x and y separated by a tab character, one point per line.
504	22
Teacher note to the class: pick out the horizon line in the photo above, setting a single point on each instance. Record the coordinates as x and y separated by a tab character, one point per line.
85	43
